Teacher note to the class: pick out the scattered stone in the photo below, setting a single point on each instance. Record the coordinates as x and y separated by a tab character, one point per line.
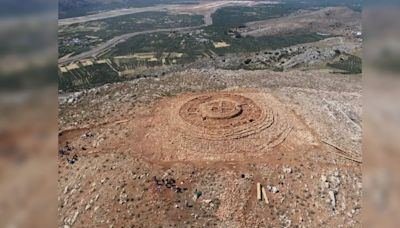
72	221
287	170
188	204
274	190
324	178
336	173
87	135
332	198
66	189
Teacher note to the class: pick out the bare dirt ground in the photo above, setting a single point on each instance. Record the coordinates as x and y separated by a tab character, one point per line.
331	20
187	150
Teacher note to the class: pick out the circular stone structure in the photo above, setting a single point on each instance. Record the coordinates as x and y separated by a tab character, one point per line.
224	116
216	126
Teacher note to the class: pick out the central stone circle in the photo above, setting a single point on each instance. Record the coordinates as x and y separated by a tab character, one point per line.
224	116
220	109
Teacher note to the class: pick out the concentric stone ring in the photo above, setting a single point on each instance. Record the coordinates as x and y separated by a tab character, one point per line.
221	116
220	109
226	125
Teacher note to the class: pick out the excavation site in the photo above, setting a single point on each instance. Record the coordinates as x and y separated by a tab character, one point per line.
221	126
213	148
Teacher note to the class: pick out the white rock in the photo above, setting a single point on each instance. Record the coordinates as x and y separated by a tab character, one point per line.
336	173
66	189
333	198
287	170
74	218
324	178
275	190
66	201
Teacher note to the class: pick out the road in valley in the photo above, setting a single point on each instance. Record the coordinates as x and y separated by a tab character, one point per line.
199	8
115	13
114	41
205	9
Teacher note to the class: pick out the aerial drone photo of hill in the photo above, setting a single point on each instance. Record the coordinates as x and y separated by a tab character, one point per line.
209	113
